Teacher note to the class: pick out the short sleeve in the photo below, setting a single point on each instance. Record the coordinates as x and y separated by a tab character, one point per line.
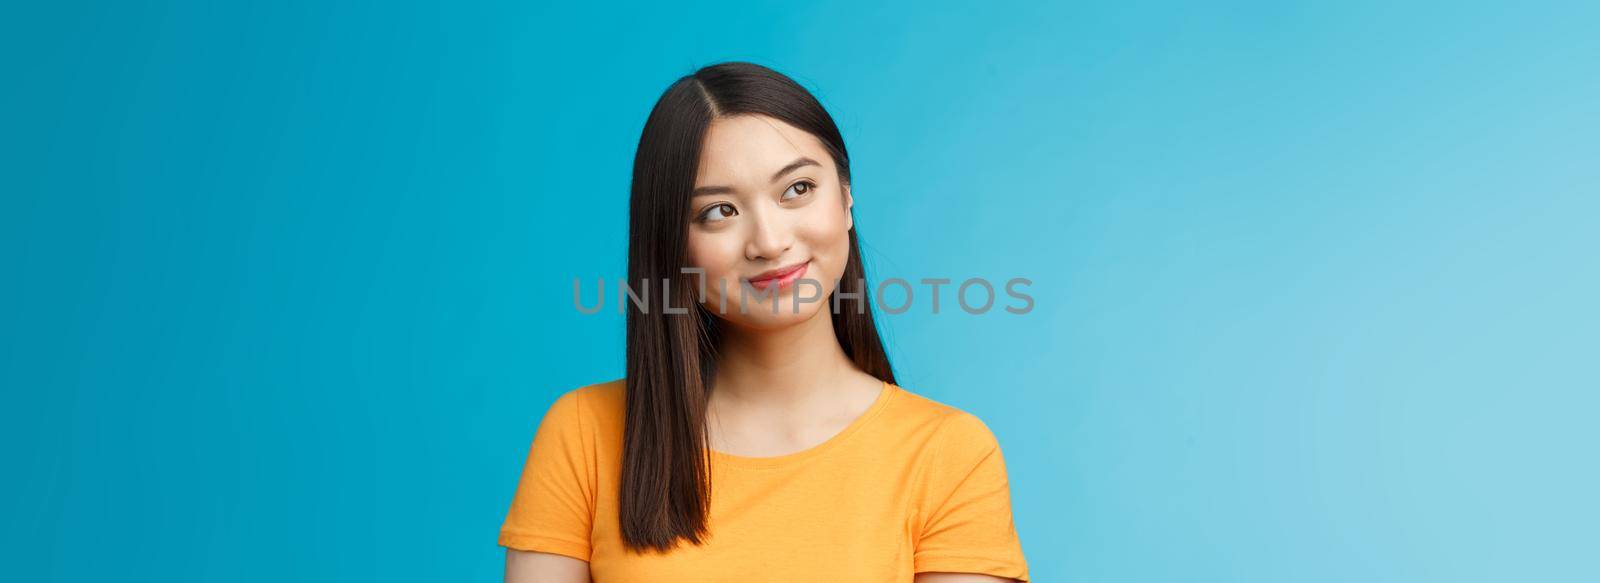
966	517
552	509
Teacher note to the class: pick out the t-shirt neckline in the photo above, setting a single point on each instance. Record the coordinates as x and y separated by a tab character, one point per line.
884	396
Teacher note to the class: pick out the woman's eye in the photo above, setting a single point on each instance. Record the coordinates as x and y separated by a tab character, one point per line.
716	213
799	189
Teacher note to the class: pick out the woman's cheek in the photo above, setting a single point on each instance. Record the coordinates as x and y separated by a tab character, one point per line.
717	269
836	235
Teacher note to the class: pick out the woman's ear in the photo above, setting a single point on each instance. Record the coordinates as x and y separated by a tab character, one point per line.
849	219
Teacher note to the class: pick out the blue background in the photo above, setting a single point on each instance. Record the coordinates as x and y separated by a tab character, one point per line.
287	285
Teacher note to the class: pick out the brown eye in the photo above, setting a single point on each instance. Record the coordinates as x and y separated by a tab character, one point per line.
799	189
718	212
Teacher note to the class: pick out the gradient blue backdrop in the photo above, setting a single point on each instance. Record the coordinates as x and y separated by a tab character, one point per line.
287	285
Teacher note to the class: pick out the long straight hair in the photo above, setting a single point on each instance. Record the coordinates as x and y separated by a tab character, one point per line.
666	481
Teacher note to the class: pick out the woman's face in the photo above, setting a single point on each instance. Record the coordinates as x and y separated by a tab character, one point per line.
767	197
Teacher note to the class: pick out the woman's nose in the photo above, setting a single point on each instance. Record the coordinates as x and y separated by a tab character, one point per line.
771	235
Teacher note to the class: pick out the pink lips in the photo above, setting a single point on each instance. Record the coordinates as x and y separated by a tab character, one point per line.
782	279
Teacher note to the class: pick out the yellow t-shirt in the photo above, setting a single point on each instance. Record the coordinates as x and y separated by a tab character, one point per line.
911	485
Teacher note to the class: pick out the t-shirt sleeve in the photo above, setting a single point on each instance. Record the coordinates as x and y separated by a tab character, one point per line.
552	510
967	521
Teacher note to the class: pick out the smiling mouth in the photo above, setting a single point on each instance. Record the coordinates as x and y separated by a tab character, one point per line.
780	279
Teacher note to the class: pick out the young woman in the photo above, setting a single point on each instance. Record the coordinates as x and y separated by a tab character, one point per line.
758	434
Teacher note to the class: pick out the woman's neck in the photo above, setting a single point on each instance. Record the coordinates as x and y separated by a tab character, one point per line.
782	367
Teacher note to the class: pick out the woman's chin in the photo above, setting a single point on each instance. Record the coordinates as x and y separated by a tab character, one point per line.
766	316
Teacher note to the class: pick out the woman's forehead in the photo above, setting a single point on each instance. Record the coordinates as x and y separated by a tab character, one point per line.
744	150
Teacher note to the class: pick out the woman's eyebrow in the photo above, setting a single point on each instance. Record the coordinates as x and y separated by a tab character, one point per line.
801	161
790	167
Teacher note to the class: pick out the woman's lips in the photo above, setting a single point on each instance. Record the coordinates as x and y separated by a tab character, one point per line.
782	279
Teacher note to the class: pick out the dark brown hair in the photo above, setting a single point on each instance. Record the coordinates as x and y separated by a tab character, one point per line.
666	486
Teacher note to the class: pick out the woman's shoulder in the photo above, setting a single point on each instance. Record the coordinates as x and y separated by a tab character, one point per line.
599	394
939	420
954	443
598	404
928	409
